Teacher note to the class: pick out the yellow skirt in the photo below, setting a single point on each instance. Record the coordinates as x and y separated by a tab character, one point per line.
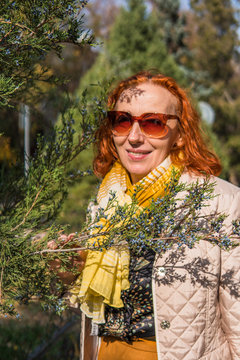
112	349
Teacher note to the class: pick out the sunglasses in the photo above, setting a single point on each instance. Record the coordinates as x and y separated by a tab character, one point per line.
151	124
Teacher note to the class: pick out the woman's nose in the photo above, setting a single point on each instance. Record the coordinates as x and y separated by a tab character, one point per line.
136	135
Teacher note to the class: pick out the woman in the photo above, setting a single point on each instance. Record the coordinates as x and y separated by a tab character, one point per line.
150	129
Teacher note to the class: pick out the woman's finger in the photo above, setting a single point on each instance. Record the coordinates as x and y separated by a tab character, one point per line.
52	244
71	236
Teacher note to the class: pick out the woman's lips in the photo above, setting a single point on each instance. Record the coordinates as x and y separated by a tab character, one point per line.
137	155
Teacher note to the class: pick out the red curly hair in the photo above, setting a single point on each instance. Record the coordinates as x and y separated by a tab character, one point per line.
192	154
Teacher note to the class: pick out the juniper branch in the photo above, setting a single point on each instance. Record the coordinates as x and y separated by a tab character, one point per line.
28	212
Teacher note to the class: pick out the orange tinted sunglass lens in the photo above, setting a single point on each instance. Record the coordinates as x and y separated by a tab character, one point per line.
122	123
151	124
154	126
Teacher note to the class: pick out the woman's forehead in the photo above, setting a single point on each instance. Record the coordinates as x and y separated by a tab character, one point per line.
130	94
148	94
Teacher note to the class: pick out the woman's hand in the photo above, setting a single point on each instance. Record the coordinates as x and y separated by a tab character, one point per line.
75	262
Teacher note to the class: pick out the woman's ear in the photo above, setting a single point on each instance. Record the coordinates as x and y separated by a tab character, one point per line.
179	141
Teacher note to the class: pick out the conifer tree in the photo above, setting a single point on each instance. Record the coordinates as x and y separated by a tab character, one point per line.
215	37
30	201
29	30
172	24
214	40
135	43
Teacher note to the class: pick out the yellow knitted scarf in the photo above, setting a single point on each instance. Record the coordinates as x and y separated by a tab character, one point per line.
105	273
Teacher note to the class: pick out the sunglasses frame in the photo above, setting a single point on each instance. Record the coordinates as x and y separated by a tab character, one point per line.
162	117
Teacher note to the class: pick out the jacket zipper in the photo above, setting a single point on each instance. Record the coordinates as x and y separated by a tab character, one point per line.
155	317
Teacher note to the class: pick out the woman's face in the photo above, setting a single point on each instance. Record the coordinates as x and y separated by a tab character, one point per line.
138	153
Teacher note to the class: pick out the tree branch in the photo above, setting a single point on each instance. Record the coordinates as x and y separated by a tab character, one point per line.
1	278
42	348
17	24
25	217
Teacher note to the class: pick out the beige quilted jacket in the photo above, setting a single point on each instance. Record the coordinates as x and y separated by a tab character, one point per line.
196	294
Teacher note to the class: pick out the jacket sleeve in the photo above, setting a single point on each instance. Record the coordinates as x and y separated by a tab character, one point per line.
229	292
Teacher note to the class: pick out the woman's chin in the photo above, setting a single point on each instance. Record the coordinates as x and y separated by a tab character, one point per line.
137	173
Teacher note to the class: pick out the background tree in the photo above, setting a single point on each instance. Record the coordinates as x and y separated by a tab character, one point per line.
172	25
214	41
100	16
134	43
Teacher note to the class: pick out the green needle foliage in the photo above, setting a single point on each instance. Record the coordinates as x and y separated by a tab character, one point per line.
29	206
172	219
29	30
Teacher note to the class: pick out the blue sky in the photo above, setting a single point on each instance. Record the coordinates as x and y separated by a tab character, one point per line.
184	4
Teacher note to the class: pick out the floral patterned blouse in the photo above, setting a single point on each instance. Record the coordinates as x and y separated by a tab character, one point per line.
135	319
